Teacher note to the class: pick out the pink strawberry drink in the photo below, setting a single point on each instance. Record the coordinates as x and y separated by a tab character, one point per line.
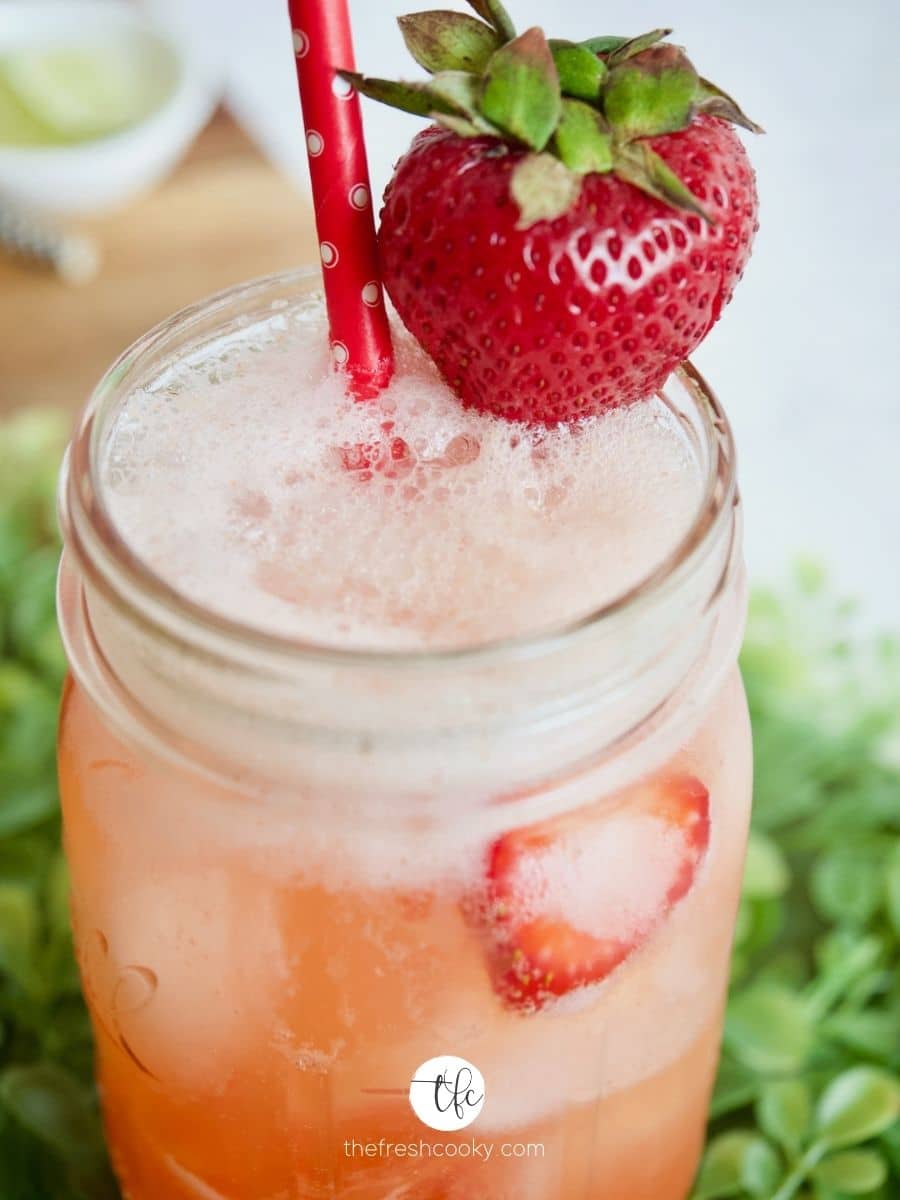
397	732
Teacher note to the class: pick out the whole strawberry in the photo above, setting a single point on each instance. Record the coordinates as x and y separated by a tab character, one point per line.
571	228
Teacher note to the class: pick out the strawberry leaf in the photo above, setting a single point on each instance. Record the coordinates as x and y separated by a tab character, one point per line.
581	73
408	97
582	139
458	90
448	41
461	126
520	92
603	45
629	47
456	96
642	167
652	93
543	188
449	97
494	13
450	93
716	103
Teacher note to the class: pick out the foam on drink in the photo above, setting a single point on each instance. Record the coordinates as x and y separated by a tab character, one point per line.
245	477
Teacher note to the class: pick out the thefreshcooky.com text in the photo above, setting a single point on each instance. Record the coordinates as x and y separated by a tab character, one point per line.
461	1149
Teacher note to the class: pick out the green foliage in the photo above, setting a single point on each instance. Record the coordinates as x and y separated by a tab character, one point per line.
807	1099
811	1055
51	1146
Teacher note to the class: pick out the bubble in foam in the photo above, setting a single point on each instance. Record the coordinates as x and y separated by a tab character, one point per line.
404	521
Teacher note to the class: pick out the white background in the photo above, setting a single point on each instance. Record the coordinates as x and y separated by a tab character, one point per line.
804	358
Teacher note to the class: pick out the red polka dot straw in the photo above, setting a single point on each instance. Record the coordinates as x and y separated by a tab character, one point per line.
360	337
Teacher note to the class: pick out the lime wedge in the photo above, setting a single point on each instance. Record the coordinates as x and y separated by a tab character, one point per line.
77	93
18	126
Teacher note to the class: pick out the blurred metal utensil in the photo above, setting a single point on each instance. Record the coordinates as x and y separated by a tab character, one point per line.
74	257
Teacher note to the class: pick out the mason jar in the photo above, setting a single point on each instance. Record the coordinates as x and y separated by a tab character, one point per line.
299	986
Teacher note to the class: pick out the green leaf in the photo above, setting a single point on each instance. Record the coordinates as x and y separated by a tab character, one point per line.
736	1087
22	1170
408	97
762	1169
737	1163
520	91
18	931
716	103
448	41
846	886
769	1029
25	805
52	1106
855	1172
582	139
892	889
495	14
449	97
890	1144
631	47
24	859
872	1034
603	45
766	873
640	165
651	94
461	126
543	188
843	956
32	613
784	1113
759	923
859	1104
458	91
56	892
581	73
15	537
92	1181
67	1039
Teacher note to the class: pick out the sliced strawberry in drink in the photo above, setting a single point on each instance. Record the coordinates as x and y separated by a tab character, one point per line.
568	900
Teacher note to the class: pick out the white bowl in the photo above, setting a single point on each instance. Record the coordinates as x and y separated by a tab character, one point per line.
93	176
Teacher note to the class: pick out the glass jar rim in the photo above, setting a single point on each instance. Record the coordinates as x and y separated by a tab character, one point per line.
123	576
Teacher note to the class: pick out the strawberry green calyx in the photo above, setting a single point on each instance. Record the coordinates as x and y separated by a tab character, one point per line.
520	90
716	103
580	107
583	140
445	41
650	93
581	72
496	16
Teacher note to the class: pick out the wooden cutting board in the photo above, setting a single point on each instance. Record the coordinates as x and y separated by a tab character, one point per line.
223	216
